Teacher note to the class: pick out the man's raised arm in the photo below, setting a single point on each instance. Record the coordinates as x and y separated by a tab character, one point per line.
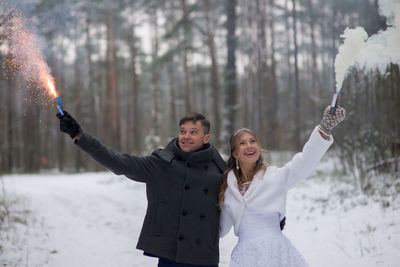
135	168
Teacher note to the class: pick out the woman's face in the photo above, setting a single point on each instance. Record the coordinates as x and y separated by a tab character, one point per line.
247	150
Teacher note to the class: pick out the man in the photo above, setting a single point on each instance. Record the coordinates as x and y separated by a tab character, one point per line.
182	184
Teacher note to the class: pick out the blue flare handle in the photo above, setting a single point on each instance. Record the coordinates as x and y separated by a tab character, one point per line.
59	105
334	104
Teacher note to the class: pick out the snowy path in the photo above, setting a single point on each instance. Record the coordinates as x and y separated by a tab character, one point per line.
82	220
94	219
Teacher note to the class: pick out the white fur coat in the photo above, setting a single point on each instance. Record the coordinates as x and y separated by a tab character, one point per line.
268	193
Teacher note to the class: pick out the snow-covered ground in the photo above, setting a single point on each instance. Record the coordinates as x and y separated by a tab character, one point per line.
94	219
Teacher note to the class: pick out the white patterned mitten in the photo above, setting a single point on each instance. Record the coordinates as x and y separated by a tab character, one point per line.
329	121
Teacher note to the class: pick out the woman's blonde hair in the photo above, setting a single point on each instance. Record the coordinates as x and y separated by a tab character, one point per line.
231	163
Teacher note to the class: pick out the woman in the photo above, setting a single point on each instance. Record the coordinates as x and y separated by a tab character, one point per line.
253	196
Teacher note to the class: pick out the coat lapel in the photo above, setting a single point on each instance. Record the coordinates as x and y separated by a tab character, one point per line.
233	186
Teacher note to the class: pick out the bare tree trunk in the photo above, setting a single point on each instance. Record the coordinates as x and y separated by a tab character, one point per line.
173	96
186	40
214	75
273	103
315	81
112	101
30	138
172	99
298	119
230	78
78	87
133	134
93	124
93	91
172	74
262	79
290	117
249	94
60	139
334	35
393	123
252	99
155	90
314	70
46	140
4	145
203	89
10	103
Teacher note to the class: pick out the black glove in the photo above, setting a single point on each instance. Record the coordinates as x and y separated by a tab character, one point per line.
282	223
68	124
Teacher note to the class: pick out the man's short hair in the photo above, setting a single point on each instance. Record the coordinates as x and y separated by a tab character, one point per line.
197	117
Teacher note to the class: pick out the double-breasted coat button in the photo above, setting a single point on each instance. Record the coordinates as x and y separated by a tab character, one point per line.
205	191
198	241
187	187
202	216
184	212
181	237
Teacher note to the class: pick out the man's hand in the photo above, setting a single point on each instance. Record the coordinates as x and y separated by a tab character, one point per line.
68	124
329	121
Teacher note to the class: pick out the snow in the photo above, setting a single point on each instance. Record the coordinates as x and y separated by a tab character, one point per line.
94	219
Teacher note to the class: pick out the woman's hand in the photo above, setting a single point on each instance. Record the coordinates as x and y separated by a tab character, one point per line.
329	121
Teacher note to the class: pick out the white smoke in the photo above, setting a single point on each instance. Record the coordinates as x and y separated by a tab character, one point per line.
354	43
374	52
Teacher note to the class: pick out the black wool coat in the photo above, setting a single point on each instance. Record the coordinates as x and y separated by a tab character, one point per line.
182	217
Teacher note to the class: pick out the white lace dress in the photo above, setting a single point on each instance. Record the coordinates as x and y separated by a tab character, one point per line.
262	244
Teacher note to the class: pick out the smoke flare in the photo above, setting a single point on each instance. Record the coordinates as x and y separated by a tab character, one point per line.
377	51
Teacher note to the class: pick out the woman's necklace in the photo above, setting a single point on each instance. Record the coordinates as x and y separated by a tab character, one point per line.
243	187
244	184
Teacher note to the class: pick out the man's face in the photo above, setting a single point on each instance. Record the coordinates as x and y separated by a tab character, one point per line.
192	137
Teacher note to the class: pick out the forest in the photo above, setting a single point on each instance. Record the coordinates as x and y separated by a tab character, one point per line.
128	70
